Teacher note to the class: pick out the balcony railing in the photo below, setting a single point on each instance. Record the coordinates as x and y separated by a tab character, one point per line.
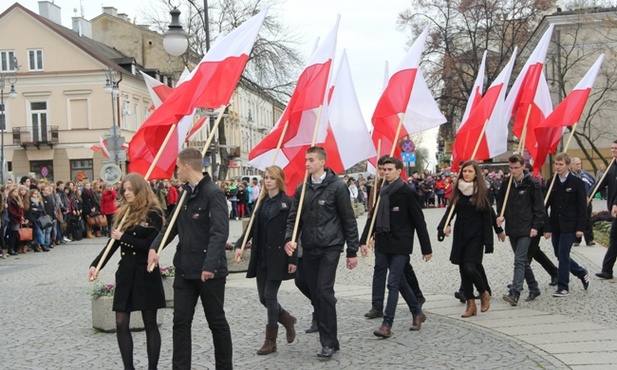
35	136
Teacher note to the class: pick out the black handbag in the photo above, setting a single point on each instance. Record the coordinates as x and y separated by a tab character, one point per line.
44	222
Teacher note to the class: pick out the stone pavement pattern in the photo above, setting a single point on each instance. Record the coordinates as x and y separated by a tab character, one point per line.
46	318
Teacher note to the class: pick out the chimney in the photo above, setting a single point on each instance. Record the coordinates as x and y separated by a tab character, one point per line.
82	26
50	11
124	17
110	10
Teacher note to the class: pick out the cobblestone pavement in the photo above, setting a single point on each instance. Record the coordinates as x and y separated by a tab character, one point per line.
46	318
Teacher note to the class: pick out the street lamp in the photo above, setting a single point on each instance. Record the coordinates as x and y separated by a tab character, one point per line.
111	87
175	40
11	79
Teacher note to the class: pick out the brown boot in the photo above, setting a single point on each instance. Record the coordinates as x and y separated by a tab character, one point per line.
98	234
485	301
472	310
288	322
5	253
269	345
89	234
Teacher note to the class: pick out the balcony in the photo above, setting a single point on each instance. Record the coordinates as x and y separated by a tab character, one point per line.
27	136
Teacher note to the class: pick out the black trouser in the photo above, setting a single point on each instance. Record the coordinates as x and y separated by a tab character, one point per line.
267	290
588	231
472	274
320	273
379	282
534	252
611	253
482	273
212	294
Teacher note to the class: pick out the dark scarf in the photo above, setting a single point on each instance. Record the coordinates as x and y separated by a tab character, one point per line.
382	222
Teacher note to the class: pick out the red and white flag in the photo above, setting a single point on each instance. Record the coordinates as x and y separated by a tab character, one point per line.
474	98
567	113
406	97
529	100
101	146
301	112
210	85
158	90
489	110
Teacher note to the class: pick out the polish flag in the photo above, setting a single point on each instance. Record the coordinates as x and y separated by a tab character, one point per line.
474	99
407	96
210	85
490	108
345	122
102	147
530	94
158	90
302	111
567	113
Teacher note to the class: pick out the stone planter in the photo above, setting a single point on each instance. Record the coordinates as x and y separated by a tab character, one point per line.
104	319
168	287
243	266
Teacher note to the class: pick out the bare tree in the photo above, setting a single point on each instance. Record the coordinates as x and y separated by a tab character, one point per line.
580	37
460	31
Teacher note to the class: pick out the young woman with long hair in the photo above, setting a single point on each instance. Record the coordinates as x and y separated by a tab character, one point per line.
269	263
473	234
136	289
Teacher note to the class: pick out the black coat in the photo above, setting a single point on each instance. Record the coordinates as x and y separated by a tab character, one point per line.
277	260
136	288
525	206
203	229
568	204
406	216
472	231
327	219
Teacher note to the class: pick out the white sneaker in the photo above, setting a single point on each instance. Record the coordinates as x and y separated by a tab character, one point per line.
66	240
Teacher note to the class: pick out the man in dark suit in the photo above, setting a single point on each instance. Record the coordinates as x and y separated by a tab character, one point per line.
567	201
399	214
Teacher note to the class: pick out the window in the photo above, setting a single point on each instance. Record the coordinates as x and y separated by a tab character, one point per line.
43	169
7	61
35	60
81	169
126	106
136	116
38	121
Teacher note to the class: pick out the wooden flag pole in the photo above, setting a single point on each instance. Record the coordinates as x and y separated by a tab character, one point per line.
473	156
565	149
595	189
521	148
398	132
263	190
374	198
174	217
294	234
156	159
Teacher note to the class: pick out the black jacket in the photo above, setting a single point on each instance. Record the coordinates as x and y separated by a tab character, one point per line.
610	181
406	216
277	260
136	288
203	229
327	219
525	206
568	204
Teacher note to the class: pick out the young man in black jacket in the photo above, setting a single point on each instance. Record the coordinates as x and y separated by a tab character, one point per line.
524	216
610	181
326	222
200	261
568	204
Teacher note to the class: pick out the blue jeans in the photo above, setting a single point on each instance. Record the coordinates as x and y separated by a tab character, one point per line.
397	283
379	282
267	290
38	235
522	270
562	244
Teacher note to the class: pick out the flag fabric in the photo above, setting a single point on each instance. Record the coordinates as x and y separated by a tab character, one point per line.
529	100
406	97
489	111
567	113
301	112
210	85
474	98
158	90
100	147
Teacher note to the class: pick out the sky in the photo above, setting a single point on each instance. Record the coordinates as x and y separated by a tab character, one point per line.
367	32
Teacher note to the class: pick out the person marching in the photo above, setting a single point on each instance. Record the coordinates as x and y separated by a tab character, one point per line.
473	234
136	289
269	263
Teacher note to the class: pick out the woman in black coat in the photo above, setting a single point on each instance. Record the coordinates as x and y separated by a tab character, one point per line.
136	289
269	263
473	234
